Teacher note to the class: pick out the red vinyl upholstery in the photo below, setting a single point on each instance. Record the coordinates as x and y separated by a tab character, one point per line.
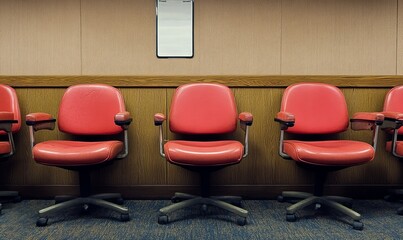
320	109
200	114
203	109
393	112
87	109
329	153
5	147
394	103
98	112
192	112
399	147
10	122
210	153
82	106
9	103
311	114
75	153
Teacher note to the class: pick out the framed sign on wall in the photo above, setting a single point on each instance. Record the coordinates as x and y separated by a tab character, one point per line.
174	28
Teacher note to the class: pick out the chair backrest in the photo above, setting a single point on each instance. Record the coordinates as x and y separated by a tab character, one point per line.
318	108
9	103
203	108
89	109
394	102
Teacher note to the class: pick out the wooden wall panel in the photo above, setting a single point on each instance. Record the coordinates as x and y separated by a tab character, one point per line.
145	170
338	37
143	165
40	37
248	45
22	169
119	38
258	168
375	172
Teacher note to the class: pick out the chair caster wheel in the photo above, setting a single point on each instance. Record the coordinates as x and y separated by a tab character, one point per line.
357	225
124	217
280	198
390	198
86	208
203	209
17	199
290	218
317	206
175	199
41	222
400	211
241	221
163	219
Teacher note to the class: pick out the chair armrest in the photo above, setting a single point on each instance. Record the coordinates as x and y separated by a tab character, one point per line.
6	121
397	116
40	121
366	120
7	117
159	118
393	120
286	119
246	118
123	119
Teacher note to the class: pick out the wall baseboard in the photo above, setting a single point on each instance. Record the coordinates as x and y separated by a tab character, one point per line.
166	191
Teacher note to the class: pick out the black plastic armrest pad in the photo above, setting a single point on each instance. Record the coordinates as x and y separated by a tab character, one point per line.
31	123
123	122
8	121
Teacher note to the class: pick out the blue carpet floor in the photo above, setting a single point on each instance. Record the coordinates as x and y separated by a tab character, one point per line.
266	221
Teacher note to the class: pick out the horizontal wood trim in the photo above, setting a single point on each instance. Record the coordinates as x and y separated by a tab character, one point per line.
166	191
379	81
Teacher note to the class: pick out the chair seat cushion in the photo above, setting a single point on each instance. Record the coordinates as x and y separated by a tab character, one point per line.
75	153
210	153
399	147
5	147
329	153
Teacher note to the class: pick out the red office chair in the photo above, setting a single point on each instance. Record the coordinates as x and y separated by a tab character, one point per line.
319	109
10	122
198	110
90	110
393	111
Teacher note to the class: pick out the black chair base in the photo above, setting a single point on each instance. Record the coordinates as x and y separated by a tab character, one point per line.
9	195
184	200
105	200
341	204
395	195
